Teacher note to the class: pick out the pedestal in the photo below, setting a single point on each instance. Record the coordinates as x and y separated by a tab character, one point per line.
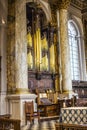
16	105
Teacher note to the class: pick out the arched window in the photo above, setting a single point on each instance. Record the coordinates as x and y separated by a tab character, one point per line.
74	43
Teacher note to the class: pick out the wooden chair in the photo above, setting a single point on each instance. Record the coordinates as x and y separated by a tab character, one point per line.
29	112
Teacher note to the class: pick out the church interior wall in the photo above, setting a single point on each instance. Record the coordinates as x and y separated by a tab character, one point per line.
17	40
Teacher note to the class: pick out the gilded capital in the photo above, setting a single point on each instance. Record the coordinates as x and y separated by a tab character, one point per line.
63	4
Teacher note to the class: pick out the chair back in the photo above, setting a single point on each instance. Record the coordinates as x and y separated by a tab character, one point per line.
29	107
30	114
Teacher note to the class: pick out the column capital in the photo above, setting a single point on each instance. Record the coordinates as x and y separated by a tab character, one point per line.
63	4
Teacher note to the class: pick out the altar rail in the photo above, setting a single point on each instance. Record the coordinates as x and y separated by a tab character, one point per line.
9	124
62	126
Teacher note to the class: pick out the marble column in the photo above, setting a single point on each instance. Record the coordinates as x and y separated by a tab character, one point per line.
21	47
18	91
17	73
64	47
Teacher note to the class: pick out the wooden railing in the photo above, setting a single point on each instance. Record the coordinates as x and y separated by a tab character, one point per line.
9	124
62	126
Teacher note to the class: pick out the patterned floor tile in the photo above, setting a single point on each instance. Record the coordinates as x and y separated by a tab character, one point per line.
45	125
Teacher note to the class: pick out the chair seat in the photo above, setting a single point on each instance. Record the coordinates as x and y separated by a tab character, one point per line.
34	114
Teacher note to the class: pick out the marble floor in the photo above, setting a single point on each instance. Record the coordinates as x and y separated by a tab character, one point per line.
43	125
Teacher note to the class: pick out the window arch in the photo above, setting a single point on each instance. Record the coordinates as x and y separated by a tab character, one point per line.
74	44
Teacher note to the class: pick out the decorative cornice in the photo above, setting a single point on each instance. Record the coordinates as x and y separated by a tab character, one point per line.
60	4
77	3
80	4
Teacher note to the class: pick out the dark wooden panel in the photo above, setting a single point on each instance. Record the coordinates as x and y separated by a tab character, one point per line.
49	110
43	81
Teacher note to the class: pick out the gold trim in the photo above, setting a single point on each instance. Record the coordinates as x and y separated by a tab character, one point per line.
22	91
71	91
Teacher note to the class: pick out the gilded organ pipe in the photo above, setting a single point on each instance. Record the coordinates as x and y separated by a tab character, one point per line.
52	58
37	44
30	60
44	46
44	42
29	44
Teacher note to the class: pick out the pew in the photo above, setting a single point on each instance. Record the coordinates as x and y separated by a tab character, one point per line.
9	124
63	126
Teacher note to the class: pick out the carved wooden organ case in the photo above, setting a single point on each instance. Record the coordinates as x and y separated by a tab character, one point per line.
40	49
